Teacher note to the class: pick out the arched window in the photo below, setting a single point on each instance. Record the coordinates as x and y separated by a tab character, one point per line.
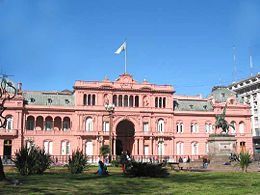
194	128
156	102
136	101
93	100
194	148
84	99
131	101
9	123
233	130
179	127
48	123
39	123
179	148
125	101
89	148
57	123
241	127
89	124
164	102
65	148
115	100
160	102
89	99
160	126
120	101
30	123
47	147
66	124
160	148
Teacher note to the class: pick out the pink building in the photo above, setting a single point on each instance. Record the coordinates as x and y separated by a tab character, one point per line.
149	121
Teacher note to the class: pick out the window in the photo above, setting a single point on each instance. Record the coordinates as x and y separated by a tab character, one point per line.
156	102
47	147
120	101
93	100
146	149
136	101
233	130
9	123
160	102
179	148
65	148
241	127
160	125
66	125
89	100
30	123
194	128
131	101
161	148
145	127
89	148
106	126
85	100
210	128
206	128
207	148
179	127
67	101
49	100
32	100
115	100
89	124
48	124
194	148
164	102
125	101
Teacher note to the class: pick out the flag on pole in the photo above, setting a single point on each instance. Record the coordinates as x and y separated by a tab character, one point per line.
121	48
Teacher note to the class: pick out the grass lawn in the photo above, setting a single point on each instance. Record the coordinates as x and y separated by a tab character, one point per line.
59	181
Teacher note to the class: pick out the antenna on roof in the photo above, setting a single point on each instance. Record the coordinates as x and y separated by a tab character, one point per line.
251	61
235	63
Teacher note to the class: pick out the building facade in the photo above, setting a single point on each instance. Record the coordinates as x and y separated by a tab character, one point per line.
149	120
249	92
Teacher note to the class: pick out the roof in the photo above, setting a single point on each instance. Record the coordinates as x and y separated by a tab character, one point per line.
192	105
221	94
49	99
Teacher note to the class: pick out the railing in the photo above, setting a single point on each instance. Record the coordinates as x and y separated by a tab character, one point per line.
9	132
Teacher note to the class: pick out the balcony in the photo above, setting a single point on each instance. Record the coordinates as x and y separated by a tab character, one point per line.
10	132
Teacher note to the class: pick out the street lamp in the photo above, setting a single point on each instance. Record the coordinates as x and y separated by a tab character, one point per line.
110	109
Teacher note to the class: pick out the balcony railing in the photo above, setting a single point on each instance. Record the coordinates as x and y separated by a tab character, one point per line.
8	132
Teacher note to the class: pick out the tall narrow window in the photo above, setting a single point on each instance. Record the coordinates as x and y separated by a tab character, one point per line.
164	102
125	101
30	123
106	126
131	101
65	147
84	99
160	126
160	102
89	148
161	148
93	100
179	148
9	123
115	100
194	148
89	124
47	147
207	148
145	127
206	128
89	100
48	123
233	130
241	127
120	101
156	102
136	101
182	129
66	124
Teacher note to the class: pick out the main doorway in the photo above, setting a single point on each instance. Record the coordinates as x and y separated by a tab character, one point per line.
125	131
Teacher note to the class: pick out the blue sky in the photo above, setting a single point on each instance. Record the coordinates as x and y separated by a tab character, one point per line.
48	44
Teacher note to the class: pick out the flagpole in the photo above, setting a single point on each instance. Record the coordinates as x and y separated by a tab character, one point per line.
125	55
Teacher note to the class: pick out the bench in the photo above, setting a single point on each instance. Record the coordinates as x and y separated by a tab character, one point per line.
190	165
174	165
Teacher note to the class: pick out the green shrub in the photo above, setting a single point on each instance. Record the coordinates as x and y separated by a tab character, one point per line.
245	160
139	169
31	161
77	162
116	162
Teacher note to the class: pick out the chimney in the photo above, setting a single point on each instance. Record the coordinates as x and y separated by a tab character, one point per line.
19	87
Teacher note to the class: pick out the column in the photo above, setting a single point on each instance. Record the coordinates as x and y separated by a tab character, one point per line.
151	145
136	146
172	148
114	153
141	146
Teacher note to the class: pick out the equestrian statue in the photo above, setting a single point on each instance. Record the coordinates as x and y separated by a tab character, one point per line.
222	123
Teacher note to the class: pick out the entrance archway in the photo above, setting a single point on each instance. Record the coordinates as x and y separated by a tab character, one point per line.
125	131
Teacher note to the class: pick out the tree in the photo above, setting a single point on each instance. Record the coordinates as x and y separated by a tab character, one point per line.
104	150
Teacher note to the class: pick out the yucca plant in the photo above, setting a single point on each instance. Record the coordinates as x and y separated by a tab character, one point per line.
245	160
31	161
77	162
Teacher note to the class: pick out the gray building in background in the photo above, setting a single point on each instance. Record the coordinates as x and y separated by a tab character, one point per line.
249	92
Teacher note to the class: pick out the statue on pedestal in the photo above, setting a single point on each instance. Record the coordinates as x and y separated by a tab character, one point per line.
222	123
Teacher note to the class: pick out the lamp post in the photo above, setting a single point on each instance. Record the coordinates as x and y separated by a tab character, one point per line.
110	109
